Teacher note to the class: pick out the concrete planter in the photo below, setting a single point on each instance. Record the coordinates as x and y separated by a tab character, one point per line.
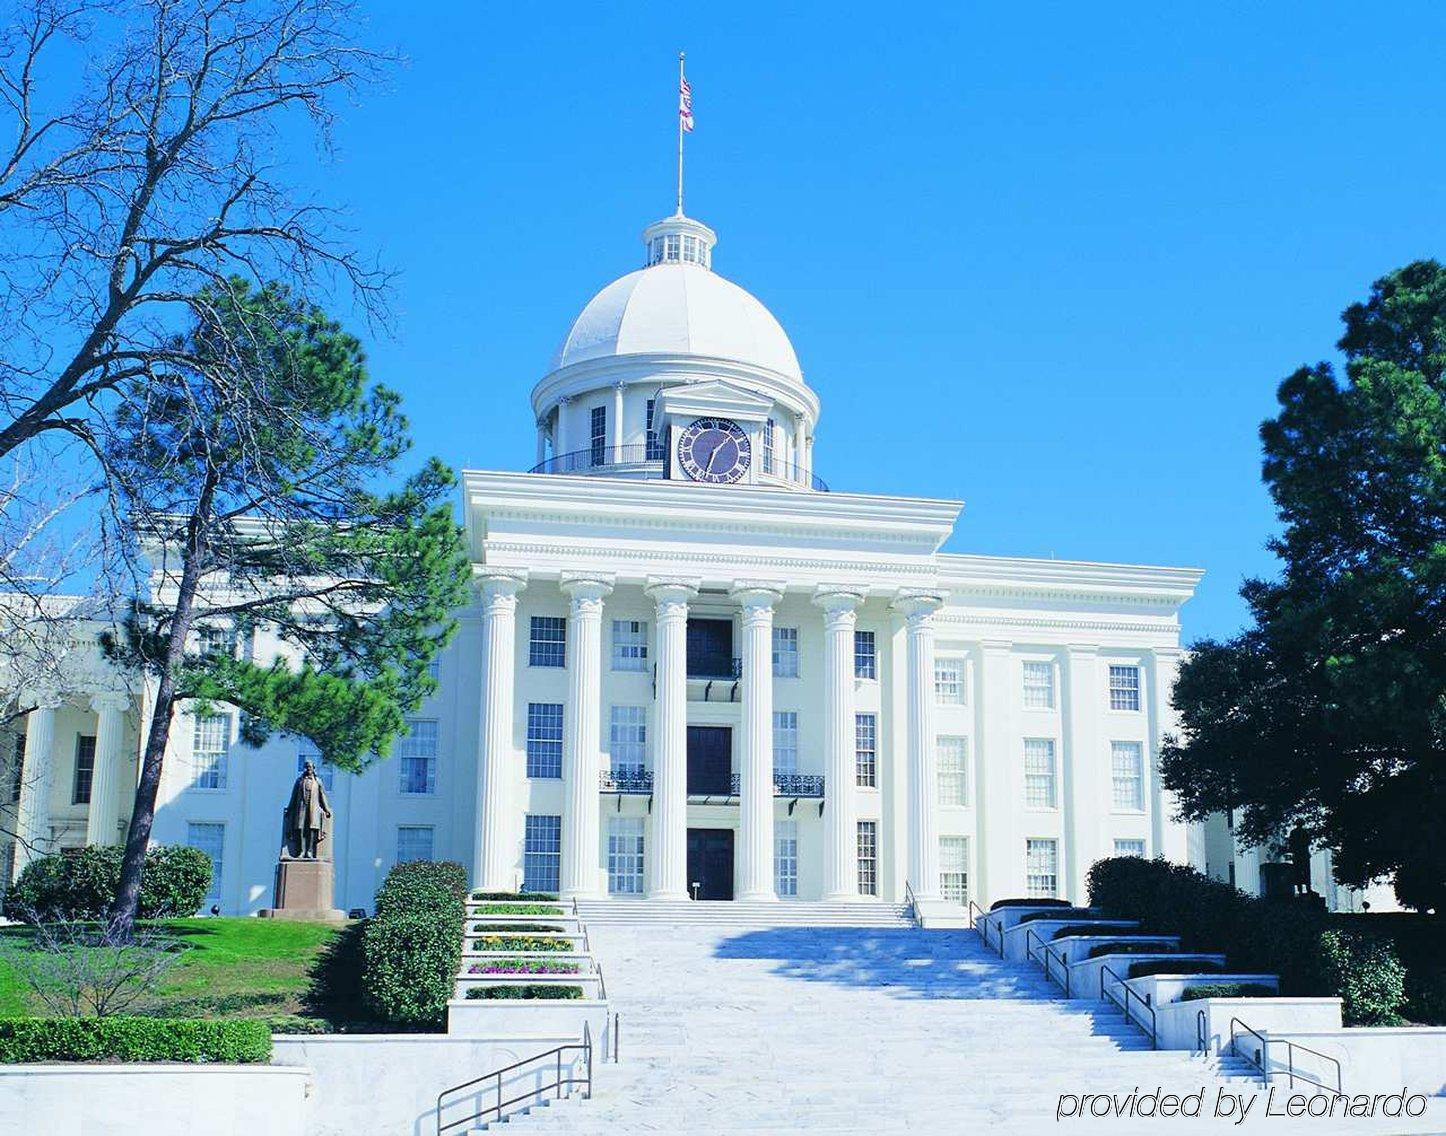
1376	1059
1075	948
526	1019
1016	937
1161	989
1180	1022
1086	975
591	984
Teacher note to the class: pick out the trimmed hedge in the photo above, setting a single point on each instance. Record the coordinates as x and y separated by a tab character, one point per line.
81	883
1172	966
518	943
1283	937
412	947
1096	929
518	909
514	928
1020	902
1131	947
1065	912
231	1042
524	896
1228	990
533	990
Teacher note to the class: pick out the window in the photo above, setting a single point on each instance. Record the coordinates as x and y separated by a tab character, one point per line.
785	741
866	749
690	249
598	438
1127	769
630	645
216	640
541	852
414	842
325	770
625	855
655	450
417	751
627	739
1039	773
785	857
210	736
1130	848
785	652
1038	686
768	429
868	857
954	869
671	245
84	769
953	761
544	739
547	646
1124	688
210	839
434	668
949	681
866	655
1041	868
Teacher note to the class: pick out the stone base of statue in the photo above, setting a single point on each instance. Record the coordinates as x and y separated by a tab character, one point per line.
304	891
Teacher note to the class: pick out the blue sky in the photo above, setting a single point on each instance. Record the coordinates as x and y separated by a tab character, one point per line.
1052	260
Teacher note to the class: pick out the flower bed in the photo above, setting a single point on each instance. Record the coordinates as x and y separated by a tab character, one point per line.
534	991
514	896
524	966
513	928
520	943
517	909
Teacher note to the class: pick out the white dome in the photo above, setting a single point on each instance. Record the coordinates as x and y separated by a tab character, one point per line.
678	309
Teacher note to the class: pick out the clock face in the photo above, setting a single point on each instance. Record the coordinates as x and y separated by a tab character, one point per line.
714	450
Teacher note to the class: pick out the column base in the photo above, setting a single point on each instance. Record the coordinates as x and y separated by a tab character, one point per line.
667	895
756	897
848	897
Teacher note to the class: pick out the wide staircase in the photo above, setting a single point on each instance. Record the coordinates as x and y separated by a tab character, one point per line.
845	1018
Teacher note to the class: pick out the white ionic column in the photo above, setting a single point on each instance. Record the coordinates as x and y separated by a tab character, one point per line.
999	849
541	441
755	751
799	456
581	733
110	721
840	825
923	841
1084	799
32	812
618	423
494	861
1171	837
669	851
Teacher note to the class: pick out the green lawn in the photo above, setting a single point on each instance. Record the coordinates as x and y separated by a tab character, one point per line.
241	967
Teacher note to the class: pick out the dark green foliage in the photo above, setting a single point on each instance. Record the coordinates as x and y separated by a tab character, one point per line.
1370	979
412	947
1426	997
539	896
515	928
520	943
1228	990
1064	912
296	1024
1174	966
1131	947
1018	902
533	990
80	884
1095	929
516	909
226	1041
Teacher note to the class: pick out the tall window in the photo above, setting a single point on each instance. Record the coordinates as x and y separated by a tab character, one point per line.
417	757
1130	848
547	646
785	652
785	857
216	640
544	739
210	737
1041	868
1124	688
434	668
1038	686
768	428
630	645
625	855
414	842
954	869
953	762
949	681
785	741
210	839
655	450
541	852
866	655
866	749
627	738
1039	780
325	770
598	437
868	845
84	769
1127	769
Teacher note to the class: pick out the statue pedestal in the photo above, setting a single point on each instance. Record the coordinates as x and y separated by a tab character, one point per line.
304	891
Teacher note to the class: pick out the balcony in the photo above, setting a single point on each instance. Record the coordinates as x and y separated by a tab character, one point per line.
628	780
634	780
651	462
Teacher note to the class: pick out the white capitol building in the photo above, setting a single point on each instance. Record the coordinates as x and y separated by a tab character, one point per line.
694	670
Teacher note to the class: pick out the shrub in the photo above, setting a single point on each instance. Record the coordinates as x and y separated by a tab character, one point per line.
517	909
233	1041
1370	979
1096	929
1065	912
518	943
296	1024
515	928
79	884
541	896
412	947
524	966
1019	902
1173	966
1228	990
1426	997
1131	947
533	990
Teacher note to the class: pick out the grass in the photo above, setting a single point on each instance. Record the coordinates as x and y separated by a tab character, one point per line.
233	968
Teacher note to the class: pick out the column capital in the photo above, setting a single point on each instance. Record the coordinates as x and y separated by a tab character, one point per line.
757	595
671	589
586	587
492	580
40	698
917	604
117	702
837	598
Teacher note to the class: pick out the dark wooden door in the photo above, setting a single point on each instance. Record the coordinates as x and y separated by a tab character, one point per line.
710	761
710	648
710	862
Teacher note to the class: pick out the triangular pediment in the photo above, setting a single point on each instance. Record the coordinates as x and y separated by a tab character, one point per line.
714	398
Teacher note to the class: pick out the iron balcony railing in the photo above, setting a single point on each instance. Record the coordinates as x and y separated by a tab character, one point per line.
626	779
599	459
634	779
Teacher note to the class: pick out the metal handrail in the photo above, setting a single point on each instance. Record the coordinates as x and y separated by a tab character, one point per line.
1290	1047
1202	1043
558	1084
981	928
1049	955
912	903
1125	1004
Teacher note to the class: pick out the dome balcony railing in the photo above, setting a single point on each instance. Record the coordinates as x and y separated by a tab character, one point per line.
647	457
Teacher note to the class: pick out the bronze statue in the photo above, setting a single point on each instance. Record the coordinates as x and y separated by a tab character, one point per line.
308	817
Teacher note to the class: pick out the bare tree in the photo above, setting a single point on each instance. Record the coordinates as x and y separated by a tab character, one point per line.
76	970
147	179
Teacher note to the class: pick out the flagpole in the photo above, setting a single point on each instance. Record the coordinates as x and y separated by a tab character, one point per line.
680	138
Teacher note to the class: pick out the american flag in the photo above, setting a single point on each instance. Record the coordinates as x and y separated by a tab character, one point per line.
685	104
